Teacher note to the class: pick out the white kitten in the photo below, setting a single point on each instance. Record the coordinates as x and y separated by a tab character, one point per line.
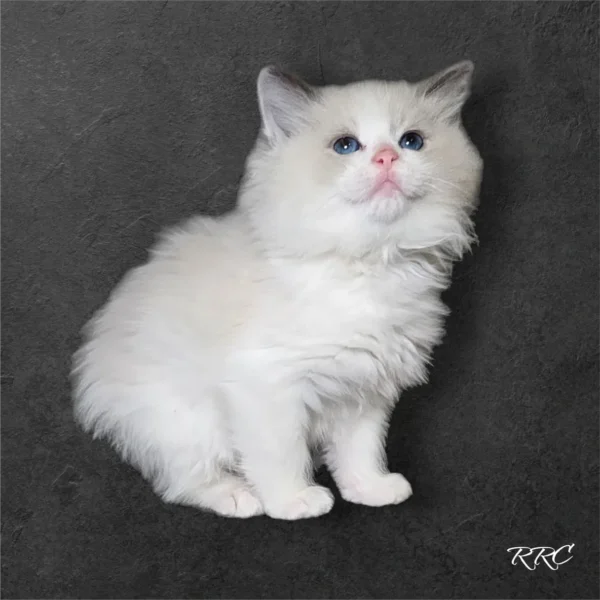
292	323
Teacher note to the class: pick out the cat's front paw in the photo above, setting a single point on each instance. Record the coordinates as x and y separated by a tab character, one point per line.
312	501
379	490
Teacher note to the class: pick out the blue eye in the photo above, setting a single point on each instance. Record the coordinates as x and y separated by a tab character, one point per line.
346	145
411	140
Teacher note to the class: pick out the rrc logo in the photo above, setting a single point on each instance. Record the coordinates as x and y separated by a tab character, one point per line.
532	557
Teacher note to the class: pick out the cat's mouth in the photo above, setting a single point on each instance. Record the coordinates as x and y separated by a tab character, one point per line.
387	187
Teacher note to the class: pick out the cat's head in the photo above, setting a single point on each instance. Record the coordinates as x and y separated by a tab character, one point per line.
357	167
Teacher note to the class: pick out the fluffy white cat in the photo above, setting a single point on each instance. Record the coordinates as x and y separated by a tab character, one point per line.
290	325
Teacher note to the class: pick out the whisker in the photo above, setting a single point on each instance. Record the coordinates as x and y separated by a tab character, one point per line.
445	182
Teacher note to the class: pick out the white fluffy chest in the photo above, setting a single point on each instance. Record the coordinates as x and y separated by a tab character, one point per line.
348	334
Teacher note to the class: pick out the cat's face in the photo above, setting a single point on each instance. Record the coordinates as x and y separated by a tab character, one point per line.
367	160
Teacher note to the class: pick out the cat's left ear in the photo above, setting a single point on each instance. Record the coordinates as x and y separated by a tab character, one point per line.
284	102
450	89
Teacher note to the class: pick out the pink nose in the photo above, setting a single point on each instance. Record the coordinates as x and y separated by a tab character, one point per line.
385	157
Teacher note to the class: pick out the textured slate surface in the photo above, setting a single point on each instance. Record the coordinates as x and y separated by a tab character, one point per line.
121	117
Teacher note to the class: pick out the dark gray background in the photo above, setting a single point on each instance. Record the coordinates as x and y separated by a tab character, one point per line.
121	118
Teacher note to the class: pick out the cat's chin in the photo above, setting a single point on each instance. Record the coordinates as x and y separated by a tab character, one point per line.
386	207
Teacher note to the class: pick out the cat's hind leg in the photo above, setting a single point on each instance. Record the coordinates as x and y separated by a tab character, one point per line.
197	464
229	495
176	436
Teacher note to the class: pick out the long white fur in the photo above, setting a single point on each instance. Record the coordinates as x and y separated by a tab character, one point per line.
290	325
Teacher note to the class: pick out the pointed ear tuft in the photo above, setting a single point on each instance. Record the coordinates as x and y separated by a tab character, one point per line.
284	100
450	88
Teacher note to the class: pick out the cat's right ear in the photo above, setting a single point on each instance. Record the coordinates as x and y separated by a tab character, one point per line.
284	102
